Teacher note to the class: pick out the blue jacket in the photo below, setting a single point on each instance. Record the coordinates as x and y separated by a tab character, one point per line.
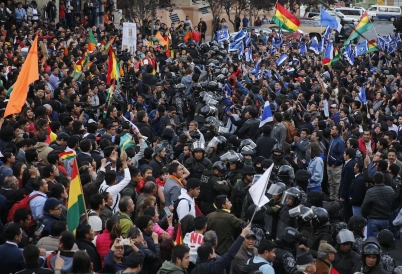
20	15
242	89
335	151
316	170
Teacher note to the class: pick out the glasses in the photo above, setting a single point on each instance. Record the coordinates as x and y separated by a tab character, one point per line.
119	247
59	208
151	223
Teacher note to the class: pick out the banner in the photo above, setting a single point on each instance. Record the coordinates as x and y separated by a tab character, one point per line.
129	41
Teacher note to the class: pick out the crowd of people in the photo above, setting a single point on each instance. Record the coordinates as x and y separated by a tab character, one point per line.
168	152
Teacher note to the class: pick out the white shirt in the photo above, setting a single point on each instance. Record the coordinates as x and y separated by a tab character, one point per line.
114	190
193	240
183	207
95	222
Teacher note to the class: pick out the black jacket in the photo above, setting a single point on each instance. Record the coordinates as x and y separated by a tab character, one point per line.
264	146
93	254
347	177
149	79
378	202
250	129
83	158
357	191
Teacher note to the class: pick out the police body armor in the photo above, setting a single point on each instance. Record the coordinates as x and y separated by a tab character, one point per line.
240	193
180	104
197	167
358	243
285	221
207	193
285	261
315	237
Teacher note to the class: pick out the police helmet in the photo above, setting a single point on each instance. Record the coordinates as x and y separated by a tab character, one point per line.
219	166
290	235
204	47
345	236
248	170
247	142
386	238
198	146
197	87
224	71
182	46
247	150
236	158
291	197
207	110
277	148
276	189
335	210
320	217
286	171
194	134
225	157
305	216
221	78
180	87
213	85
356	223
214	48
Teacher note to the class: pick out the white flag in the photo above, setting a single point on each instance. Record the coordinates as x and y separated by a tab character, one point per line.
257	190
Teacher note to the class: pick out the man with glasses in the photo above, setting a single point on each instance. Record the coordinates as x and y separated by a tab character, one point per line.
335	160
51	213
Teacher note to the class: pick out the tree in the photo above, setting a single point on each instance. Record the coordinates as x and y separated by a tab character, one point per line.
234	5
216	9
257	5
139	11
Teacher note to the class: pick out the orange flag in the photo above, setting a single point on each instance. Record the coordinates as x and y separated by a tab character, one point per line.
29	73
66	51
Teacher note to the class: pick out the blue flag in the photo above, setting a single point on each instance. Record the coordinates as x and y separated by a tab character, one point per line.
362	48
328	20
381	43
239	36
362	94
249	54
349	55
241	51
247	39
235	46
266	115
303	47
222	35
281	59
314	45
256	68
327	33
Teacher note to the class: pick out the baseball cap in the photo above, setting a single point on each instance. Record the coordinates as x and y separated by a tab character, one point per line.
334	106
251	234
299	79
51	203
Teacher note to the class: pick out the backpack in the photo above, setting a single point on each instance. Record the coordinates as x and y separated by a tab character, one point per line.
24	203
175	205
251	267
83	217
120	217
290	133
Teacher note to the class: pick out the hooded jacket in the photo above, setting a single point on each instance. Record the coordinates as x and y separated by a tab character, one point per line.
170	268
43	150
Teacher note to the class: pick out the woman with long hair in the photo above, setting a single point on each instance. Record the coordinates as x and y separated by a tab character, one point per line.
315	167
81	263
149	201
28	114
18	170
105	240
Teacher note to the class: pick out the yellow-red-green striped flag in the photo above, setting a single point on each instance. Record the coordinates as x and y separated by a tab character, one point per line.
76	204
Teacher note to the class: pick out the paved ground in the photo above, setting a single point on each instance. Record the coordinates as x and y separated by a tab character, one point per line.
381	27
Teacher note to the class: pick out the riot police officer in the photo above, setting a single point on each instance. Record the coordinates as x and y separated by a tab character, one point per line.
285	261
386	241
346	260
290	200
198	163
180	102
240	191
273	207
322	230
213	183
357	225
216	148
194	101
277	156
286	175
248	154
335	212
235	167
371	257
304	225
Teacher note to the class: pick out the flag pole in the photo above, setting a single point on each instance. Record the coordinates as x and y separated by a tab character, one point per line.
263	193
83	198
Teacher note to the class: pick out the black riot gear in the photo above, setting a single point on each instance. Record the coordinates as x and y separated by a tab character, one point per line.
320	217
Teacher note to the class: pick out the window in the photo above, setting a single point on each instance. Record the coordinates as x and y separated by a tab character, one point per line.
373	9
382	9
394	10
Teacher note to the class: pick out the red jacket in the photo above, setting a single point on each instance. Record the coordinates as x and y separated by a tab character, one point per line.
362	146
196	36
103	244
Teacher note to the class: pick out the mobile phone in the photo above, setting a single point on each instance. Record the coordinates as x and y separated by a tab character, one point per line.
40	228
167	211
125	242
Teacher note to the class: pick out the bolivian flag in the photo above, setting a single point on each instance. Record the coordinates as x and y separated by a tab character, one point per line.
76	204
361	27
372	45
114	70
285	20
92	41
